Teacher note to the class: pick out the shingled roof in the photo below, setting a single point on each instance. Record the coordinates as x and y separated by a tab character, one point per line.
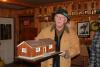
40	42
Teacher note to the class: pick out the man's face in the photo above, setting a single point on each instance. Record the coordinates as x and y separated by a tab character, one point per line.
60	20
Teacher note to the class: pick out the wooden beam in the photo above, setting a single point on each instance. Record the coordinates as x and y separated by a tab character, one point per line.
15	2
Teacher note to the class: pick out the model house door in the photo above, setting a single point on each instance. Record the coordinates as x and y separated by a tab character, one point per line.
7	40
44	49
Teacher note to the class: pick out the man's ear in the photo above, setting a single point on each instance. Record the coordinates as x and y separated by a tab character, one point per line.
68	25
65	20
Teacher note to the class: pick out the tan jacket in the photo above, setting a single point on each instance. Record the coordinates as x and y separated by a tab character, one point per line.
69	41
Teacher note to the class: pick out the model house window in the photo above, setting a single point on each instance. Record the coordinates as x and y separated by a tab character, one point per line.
50	46
24	50
38	49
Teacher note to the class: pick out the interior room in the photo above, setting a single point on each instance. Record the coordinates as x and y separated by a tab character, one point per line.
22	20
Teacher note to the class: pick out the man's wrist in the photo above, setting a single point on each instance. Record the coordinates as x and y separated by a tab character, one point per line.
66	54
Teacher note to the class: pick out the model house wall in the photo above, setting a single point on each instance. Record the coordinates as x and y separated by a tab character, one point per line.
34	48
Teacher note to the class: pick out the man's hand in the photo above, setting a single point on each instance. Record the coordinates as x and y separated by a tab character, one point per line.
64	54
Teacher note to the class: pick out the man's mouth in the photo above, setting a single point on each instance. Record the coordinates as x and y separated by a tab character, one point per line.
59	22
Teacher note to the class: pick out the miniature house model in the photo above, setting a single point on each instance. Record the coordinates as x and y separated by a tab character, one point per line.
31	49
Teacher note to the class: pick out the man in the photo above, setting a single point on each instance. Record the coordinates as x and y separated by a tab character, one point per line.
66	40
95	49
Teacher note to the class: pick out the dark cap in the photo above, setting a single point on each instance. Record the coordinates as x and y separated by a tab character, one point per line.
61	11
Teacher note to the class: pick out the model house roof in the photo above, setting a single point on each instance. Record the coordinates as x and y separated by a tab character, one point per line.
40	42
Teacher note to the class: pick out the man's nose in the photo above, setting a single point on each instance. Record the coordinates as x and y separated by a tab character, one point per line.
59	18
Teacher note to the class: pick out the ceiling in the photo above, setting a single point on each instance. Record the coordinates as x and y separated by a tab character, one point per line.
11	6
23	4
40	1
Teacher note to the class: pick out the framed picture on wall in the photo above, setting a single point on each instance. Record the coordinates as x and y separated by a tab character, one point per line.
83	29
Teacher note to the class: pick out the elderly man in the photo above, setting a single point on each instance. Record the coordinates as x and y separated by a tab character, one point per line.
66	40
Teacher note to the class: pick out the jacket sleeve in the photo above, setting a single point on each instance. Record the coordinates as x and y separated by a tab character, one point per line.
40	35
44	33
74	45
92	60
